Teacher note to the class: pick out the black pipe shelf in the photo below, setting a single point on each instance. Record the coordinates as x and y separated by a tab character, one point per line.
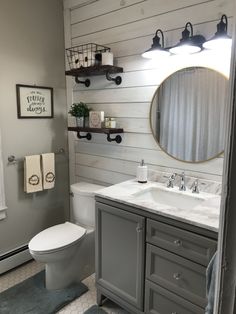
107	131
106	70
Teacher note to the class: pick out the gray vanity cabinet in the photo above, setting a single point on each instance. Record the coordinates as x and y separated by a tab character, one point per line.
120	248
168	260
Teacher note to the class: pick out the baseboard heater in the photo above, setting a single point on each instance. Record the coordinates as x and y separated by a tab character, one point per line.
14	258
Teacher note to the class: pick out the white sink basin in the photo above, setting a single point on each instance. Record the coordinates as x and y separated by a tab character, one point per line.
172	198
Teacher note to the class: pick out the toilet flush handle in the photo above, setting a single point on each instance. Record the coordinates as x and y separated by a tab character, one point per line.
71	194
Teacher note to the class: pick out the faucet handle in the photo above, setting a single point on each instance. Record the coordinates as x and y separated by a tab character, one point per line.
194	186
173	175
170	183
182	186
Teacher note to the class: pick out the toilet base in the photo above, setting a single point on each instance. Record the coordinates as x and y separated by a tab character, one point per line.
75	268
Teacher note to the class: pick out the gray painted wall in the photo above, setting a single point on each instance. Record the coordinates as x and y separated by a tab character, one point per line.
32	52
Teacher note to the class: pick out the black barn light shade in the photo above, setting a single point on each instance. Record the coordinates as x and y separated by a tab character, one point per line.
220	40
189	43
157	49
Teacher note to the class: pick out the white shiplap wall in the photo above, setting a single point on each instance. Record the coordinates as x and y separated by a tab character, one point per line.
127	26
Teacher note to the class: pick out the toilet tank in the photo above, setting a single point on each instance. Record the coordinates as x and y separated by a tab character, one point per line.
83	203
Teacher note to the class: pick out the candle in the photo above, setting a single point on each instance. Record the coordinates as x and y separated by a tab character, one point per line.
107	58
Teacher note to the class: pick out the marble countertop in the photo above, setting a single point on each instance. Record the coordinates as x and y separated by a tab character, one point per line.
204	213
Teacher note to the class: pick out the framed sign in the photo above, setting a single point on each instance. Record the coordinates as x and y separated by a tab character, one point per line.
34	102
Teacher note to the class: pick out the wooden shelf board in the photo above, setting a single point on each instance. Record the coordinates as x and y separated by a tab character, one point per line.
94	70
96	130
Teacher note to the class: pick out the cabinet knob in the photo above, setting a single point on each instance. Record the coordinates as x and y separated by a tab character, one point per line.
139	229
178	242
177	276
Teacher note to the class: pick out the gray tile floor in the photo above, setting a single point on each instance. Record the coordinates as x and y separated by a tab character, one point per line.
78	306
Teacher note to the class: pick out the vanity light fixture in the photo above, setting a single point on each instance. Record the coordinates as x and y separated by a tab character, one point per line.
157	49
220	40
189	43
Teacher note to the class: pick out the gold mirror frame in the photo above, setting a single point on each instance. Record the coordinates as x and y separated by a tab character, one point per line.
150	113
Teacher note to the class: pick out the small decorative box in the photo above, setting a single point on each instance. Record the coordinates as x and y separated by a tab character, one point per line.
96	118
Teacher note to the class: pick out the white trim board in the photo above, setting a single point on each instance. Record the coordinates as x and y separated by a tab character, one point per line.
14	261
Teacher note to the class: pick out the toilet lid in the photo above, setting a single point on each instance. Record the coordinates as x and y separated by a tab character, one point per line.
56	237
85	188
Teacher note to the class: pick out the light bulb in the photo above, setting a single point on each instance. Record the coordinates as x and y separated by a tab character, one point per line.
155	53
184	49
221	43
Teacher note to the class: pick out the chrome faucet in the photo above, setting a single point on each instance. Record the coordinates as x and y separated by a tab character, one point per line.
170	183
194	186
182	186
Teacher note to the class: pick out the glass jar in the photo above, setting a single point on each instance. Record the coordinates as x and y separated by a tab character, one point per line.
112	123
107	122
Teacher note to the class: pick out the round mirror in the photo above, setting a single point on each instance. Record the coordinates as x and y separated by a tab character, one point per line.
188	114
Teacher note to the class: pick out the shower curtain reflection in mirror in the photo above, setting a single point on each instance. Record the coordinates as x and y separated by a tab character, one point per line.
188	114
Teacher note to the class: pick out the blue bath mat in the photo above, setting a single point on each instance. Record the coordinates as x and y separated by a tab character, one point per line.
95	310
31	297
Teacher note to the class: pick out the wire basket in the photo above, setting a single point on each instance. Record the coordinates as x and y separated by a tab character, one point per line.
87	55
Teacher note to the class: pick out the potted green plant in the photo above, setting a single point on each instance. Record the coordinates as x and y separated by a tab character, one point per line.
80	111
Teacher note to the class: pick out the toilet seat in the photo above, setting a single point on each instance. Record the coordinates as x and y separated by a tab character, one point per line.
56	238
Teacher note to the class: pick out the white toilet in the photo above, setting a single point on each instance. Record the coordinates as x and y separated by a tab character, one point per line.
68	249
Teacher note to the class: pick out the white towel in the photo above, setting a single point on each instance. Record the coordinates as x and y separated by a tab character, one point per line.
48	170
32	174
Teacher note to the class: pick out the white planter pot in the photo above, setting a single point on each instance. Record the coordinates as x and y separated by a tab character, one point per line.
80	122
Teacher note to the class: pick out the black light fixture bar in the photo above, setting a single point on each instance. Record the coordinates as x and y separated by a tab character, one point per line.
189	43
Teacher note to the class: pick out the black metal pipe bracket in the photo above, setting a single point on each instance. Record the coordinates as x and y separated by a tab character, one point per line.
86	82
116	79
117	139
88	136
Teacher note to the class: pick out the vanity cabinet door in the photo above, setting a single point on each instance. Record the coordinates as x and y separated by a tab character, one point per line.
120	252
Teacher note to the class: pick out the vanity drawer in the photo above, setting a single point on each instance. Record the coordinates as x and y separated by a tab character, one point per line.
176	274
184	243
162	301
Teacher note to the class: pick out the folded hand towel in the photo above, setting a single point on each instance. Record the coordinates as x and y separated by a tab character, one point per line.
32	174
48	170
